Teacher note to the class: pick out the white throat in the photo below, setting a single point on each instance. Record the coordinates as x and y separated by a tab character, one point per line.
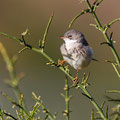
69	43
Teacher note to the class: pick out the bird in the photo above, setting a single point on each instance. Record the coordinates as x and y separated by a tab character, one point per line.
76	51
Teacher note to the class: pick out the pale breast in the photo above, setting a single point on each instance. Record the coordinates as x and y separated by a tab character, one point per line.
77	55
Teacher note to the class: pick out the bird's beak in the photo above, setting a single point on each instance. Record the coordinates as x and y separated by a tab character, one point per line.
63	38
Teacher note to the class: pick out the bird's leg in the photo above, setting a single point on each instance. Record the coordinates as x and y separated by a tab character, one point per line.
61	62
75	80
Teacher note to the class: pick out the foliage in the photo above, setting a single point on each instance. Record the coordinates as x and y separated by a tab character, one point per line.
21	111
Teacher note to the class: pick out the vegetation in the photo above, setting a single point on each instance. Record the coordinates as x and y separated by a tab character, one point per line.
21	110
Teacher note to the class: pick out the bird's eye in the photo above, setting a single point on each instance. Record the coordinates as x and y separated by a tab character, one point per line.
69	36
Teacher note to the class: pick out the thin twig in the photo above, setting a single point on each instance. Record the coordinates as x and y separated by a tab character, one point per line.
104	33
68	74
15	103
116	70
110	24
67	99
1	114
77	16
10	116
14	81
45	110
101	28
92	114
113	91
46	31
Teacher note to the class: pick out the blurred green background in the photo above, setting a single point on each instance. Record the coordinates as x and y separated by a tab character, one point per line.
48	82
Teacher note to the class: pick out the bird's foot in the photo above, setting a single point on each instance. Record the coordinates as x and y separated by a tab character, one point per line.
75	80
61	62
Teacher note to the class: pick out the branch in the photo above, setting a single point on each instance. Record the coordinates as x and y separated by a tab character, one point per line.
46	31
77	16
1	114
9	115
110	24
116	70
102	29
45	110
15	103
92	114
13	82
113	91
63	70
96	4
67	98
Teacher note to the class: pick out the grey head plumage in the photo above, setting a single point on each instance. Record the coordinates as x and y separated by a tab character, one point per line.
75	49
76	35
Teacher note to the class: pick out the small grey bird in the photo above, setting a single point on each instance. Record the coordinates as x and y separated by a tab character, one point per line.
76	50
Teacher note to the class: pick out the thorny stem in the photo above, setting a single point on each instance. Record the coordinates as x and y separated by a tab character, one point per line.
14	81
1	114
94	14
45	110
10	116
93	101
46	31
102	30
63	70
116	117
48	113
67	99
104	33
113	49
116	70
71	77
15	103
50	59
